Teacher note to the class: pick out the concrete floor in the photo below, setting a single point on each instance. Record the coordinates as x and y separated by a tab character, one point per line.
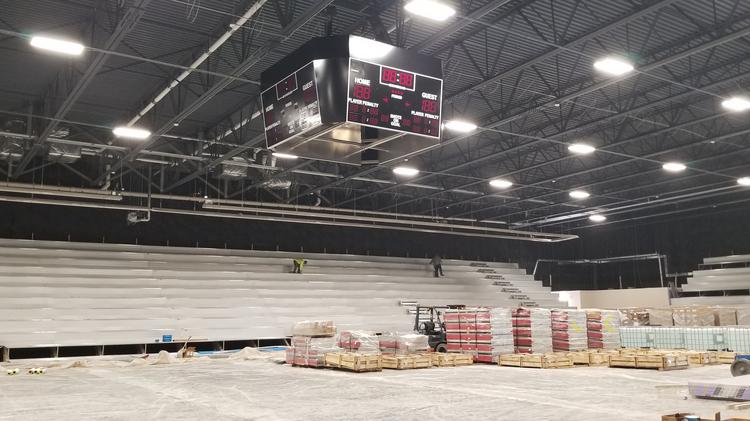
247	390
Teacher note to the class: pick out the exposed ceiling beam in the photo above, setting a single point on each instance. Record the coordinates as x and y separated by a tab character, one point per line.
125	25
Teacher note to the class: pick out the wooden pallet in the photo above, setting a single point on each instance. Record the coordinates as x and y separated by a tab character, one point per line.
440	359
699	358
673	361
405	362
591	358
354	362
560	360
510	360
726	357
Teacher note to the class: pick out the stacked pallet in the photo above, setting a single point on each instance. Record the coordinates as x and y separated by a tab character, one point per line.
311	342
569	330
603	329
484	333
403	362
532	330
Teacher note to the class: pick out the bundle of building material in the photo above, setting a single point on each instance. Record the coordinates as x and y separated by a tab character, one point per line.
693	316
354	361
660	317
724	316
556	360
484	333
650	360
311	341
532	330
743	315
646	317
359	341
633	317
603	329
314	328
310	351
569	330
403	343
689	338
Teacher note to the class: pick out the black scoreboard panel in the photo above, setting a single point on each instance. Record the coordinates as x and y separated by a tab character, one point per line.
394	99
291	106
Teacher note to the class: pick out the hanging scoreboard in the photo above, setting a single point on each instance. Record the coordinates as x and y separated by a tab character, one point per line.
291	107
394	99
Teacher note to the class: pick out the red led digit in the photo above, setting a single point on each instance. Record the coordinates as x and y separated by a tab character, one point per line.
407	79
389	75
429	106
362	92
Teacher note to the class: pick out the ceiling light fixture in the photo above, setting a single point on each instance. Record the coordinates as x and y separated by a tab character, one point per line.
579	194
430	9
597	218
131	133
500	183
674	167
57	45
613	66
460	126
744	181
581	148
284	155
406	171
736	104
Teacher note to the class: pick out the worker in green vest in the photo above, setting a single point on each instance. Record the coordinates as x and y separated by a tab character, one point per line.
298	265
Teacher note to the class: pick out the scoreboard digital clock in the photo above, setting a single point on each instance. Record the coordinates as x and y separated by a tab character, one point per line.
395	99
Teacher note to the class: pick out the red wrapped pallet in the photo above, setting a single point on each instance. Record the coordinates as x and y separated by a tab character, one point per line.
569	331
532	330
603	329
484	333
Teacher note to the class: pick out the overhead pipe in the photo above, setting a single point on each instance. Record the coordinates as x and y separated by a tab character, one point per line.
202	58
293	215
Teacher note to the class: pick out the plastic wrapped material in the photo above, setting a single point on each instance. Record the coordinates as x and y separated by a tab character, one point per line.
724	316
532	330
569	330
660	317
743	316
693	316
633	317
314	328
482	332
403	343
311	352
697	338
359	341
603	329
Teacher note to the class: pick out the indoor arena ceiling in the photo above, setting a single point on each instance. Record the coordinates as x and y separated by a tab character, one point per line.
521	70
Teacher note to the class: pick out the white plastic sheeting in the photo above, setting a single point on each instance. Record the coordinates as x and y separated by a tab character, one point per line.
254	390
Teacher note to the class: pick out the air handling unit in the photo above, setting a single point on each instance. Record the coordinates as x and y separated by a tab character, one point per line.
352	100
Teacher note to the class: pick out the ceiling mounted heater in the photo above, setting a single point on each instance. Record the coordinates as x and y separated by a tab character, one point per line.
337	98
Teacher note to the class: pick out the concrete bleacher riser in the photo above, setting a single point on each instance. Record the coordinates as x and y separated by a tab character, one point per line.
57	293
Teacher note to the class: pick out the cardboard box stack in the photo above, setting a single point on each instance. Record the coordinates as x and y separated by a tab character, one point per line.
403	343
569	330
603	329
311	340
484	333
532	330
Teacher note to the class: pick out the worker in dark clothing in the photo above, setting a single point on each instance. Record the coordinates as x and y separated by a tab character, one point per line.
298	265
437	265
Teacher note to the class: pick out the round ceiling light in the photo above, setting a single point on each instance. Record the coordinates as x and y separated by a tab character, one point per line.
674	167
500	183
